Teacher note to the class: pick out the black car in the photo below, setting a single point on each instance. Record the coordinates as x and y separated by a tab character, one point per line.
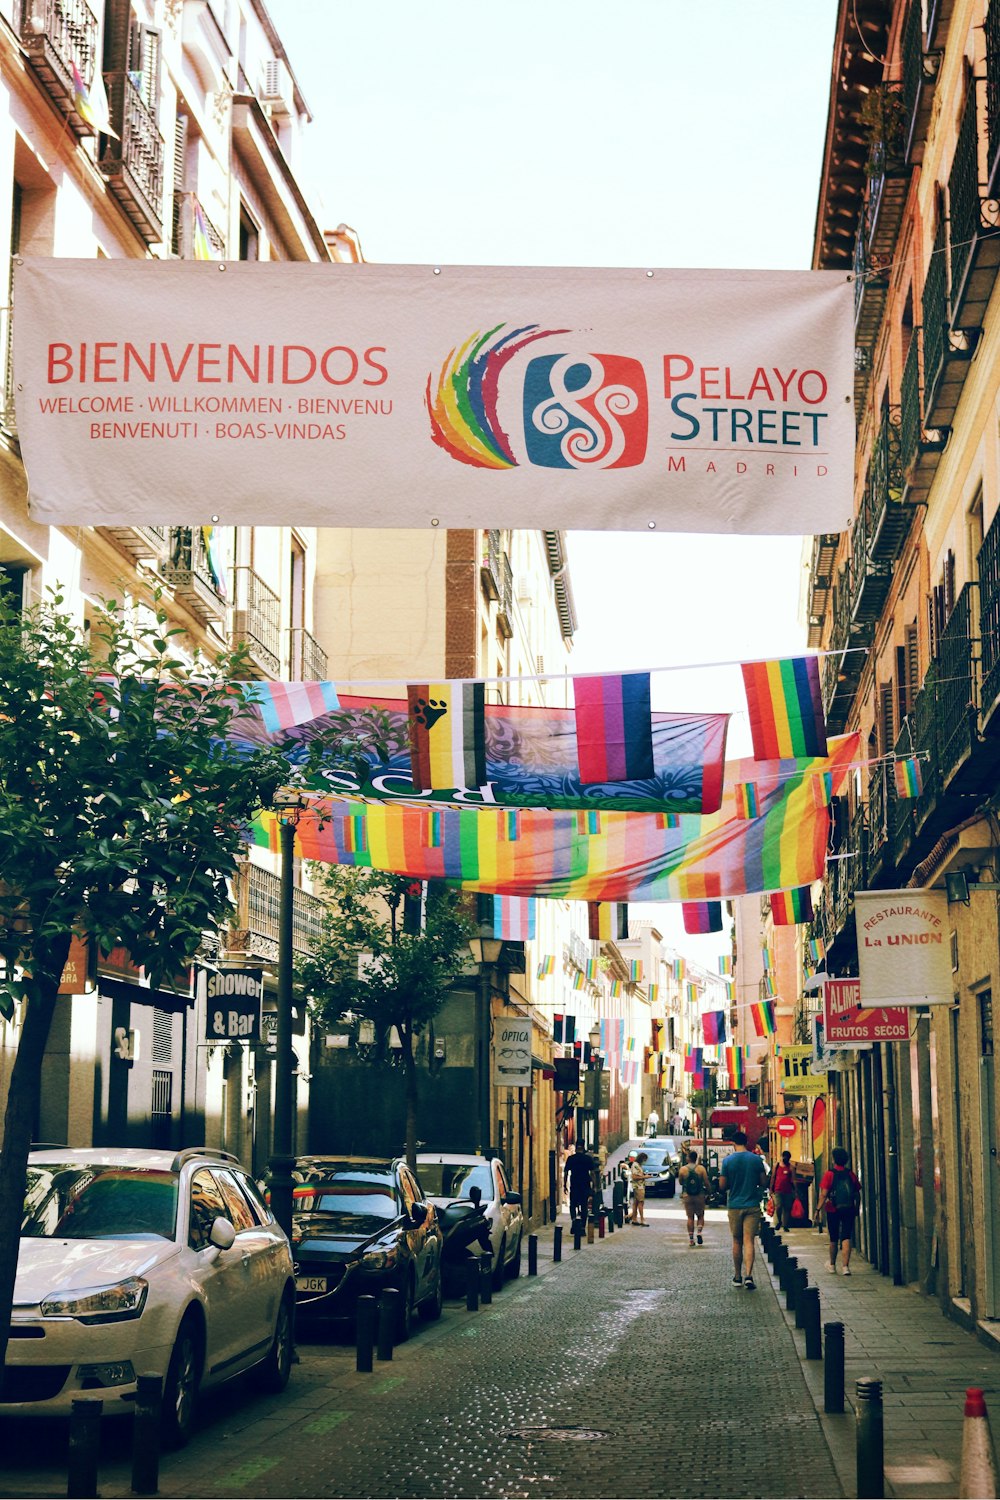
360	1225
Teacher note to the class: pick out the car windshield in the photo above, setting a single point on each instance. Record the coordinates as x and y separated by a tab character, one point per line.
453	1179
74	1201
655	1157
348	1202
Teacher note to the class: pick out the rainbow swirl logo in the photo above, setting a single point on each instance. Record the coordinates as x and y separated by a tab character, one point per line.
578	410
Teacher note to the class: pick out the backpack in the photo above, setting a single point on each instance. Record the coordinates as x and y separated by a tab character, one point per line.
693	1184
841	1193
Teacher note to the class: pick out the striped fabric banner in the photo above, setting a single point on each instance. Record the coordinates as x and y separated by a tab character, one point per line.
355	834
509	825
607	921
822	787
909	778
592	969
788	908
579	982
285	704
691	992
653	994
767	958
785	704
817	950
747	800
693	1059
557	1027
588	821
713	1026
514	918
433	831
656	1029
767	985
617	989
725	964
734	1066
702	916
546	966
447	728
680	969
762	1012
614	730
635	971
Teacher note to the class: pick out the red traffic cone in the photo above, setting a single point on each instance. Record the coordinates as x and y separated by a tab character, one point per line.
978	1478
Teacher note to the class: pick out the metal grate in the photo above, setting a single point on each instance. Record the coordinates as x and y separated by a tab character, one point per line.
163	1036
163	1092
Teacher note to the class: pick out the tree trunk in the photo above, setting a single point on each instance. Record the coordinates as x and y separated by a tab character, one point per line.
410	1079
22	1100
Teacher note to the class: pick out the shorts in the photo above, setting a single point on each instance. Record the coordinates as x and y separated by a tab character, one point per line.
694	1203
639	1193
840	1224
739	1218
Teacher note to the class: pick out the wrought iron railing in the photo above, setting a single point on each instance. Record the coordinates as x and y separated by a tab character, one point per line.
257	620
901	814
989	613
957	694
261	904
964	196
59	33
991	28
139	153
183	240
308	659
935	311
912	54
878	813
8	417
188	561
910	417
924	723
491	567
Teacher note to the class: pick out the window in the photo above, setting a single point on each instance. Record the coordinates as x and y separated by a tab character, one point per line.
207	1205
237	1207
255	1198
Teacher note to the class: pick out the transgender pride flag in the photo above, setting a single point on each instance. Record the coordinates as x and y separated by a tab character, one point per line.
514	918
614	728
284	704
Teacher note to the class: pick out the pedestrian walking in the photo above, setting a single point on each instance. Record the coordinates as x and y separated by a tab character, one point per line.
694	1190
783	1189
637	1177
839	1196
652	1123
742	1178
578	1173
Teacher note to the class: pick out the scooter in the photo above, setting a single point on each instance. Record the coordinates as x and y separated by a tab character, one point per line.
466	1232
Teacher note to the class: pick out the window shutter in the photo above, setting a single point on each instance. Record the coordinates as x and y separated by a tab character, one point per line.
886	734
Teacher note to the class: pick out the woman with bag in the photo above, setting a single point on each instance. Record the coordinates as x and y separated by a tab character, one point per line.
694	1190
783	1190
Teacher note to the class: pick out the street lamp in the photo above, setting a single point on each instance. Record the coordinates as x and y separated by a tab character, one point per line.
594	1039
485	951
708	1098
289	804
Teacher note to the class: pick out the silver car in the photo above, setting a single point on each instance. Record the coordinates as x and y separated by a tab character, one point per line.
447	1176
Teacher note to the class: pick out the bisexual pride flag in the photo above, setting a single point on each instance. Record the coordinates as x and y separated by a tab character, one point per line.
614	728
791	907
702	916
785	705
713	1026
447	729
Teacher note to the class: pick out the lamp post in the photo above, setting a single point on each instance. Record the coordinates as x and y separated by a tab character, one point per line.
289	804
594	1038
485	951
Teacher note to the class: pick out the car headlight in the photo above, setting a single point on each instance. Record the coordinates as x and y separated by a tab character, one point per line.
99	1304
378	1260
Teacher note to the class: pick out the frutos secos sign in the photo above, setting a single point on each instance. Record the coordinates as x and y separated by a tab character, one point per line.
234	999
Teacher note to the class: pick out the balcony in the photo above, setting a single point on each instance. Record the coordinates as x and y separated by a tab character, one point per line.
258	901
902	830
491	569
256	624
843	665
182	239
505	604
957	712
307	657
55	34
973	226
133	165
190	576
871	288
924	723
946	350
824	555
920	447
8	416
989	627
920	70
141	543
879	852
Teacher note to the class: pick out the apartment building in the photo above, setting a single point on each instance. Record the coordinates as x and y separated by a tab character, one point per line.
906	606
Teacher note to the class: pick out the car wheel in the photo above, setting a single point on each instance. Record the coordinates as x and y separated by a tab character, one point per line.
273	1371
514	1269
180	1391
407	1305
430	1308
498	1269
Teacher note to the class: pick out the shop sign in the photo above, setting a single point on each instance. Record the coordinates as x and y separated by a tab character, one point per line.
904	947
850	1024
234	999
797	1076
512	1053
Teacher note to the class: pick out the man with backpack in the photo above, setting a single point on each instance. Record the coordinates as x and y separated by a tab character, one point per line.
694	1189
839	1196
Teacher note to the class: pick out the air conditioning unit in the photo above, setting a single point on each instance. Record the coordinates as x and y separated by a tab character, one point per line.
277	92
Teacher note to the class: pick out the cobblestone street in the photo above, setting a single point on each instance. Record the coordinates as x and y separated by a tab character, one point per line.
633	1368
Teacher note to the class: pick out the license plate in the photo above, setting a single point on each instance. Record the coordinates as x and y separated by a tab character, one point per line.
310	1283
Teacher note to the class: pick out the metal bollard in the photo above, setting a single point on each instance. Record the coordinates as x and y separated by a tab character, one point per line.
619	1216
472	1284
870	1440
365	1333
388	1304
611	1222
801	1285
557	1243
485	1279
833	1367
532	1254
590	1231
577	1234
790	1268
146	1434
600	1225
809	1308
84	1446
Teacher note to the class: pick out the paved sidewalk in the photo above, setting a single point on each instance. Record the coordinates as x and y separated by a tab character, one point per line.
924	1360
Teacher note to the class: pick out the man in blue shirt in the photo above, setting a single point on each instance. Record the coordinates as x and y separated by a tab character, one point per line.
743	1176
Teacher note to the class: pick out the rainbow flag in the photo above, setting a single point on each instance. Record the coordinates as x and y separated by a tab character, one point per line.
734	1066
767	984
614	728
822	786
202	245
356	834
767	958
635	971
284	704
592	968
211	538
785	704
579	981
509	825
713	1026
447	730
514	918
762	1012
725	964
91	104
668	820
433	832
588	821
617	989
747	800
691	992
653	994
607	921
680	969
702	916
546	966
788	908
817	950
909	777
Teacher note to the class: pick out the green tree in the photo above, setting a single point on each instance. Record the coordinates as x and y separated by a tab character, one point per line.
123	812
402	977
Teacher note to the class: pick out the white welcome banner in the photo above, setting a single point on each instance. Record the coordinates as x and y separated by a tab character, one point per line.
904	947
157	392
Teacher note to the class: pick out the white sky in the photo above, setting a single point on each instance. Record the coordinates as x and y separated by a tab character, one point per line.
579	132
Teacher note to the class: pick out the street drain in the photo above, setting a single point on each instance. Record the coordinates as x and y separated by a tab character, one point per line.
556	1434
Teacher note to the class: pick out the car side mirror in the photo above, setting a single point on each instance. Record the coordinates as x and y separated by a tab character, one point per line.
514	1198
222	1234
418	1213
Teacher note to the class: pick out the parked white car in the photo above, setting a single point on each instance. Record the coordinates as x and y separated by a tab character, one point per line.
145	1262
446	1178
